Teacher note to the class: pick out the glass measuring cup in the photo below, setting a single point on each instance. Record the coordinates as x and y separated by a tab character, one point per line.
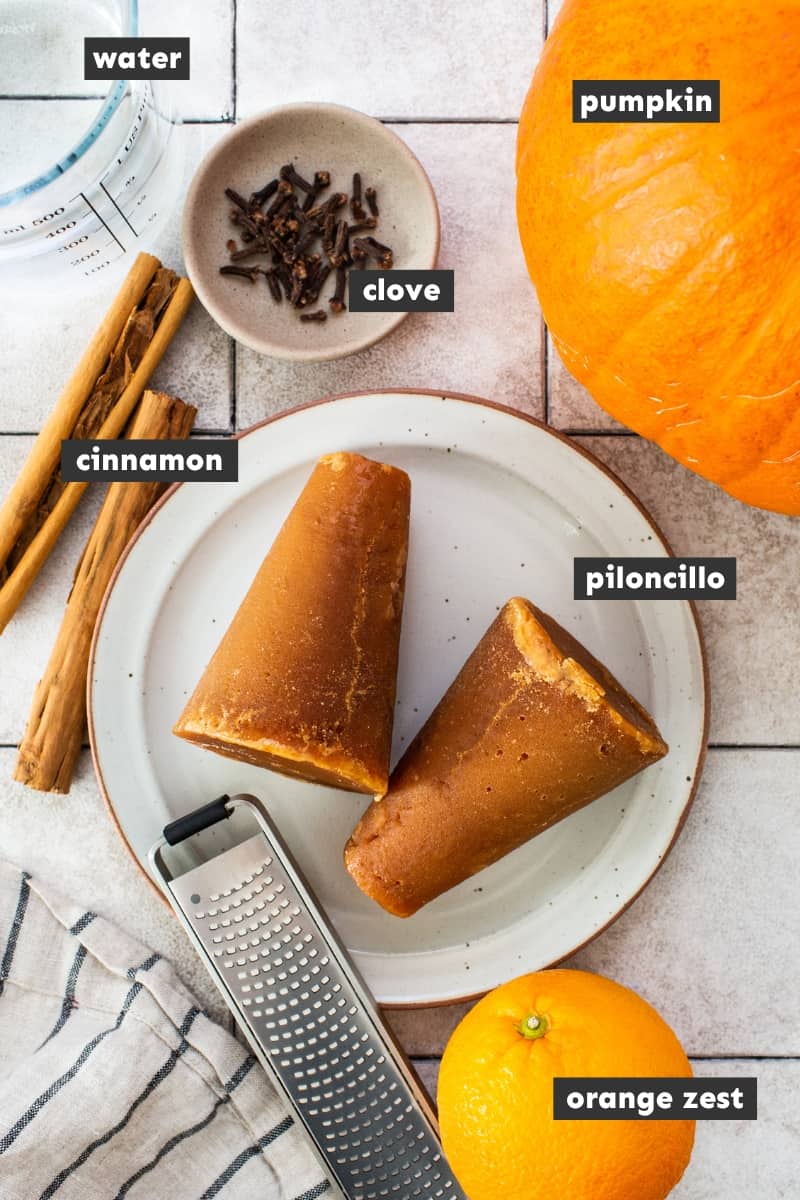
88	171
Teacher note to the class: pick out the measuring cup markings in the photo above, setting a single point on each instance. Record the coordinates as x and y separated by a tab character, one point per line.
116	201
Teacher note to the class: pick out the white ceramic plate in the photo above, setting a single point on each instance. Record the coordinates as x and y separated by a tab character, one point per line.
500	506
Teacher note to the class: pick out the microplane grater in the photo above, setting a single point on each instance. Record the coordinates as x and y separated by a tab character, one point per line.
306	1013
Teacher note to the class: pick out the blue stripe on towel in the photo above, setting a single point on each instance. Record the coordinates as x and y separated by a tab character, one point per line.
177	1138
313	1192
81	923
16	925
161	1074
68	1003
245	1156
55	1087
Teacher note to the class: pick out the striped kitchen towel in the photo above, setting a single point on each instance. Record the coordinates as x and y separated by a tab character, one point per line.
114	1084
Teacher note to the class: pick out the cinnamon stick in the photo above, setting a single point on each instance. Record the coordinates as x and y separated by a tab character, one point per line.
52	741
97	402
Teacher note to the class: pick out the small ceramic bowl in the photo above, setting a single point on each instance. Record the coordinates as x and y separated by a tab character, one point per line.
313	137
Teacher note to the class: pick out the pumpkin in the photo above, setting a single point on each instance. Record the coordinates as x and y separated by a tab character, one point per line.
666	257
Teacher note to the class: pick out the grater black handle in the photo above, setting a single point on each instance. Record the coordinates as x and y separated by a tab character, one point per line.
197	820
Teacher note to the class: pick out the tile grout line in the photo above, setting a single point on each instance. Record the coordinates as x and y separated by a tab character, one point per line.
780	1058
545	333
572	432
232	117
754	746
386	120
576	431
52	96
210	431
791	747
234	78
744	1057
207	120
546	372
449	120
233	415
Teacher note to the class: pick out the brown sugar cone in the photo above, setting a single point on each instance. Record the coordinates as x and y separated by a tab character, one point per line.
304	680
532	729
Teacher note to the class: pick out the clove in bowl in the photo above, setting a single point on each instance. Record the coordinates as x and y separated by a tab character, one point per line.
294	236
280	210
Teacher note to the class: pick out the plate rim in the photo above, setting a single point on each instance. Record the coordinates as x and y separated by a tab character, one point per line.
439	394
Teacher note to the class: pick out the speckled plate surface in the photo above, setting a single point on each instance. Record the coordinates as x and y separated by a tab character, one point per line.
313	137
500	506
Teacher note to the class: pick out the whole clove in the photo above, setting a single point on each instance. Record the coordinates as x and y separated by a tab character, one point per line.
336	301
298	277
264	194
329	232
288	232
356	207
360	226
303	243
250	273
282	197
315	282
289	174
274	286
238	200
383	255
331	205
246	252
250	226
339	254
284	276
322	180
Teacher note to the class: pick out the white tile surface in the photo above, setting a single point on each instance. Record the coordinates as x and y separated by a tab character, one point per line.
458	58
571	407
737	1160
37	364
208	94
752	641
713	939
197	365
491	345
553	9
70	842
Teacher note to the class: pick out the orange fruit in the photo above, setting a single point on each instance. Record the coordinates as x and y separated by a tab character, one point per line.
496	1093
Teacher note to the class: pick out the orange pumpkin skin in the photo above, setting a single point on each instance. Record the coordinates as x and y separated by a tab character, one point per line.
667	257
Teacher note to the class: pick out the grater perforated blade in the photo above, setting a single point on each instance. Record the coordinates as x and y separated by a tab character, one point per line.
305	1011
